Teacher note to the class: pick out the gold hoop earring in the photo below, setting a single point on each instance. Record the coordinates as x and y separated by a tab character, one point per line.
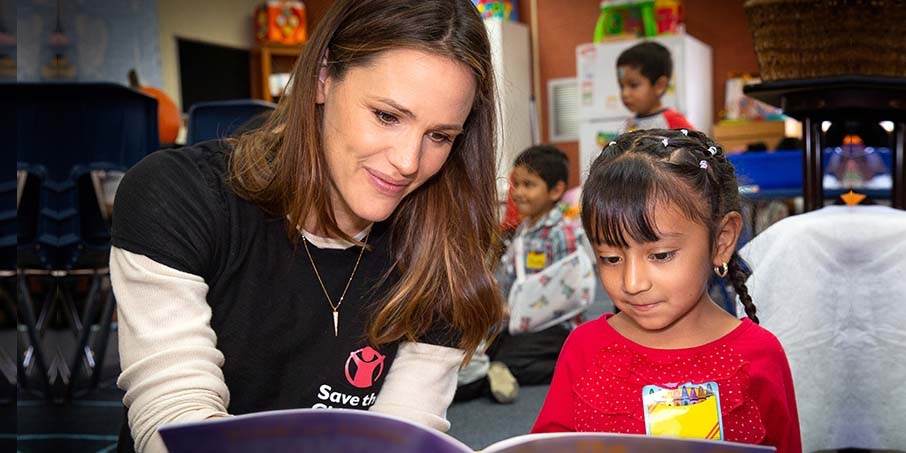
722	270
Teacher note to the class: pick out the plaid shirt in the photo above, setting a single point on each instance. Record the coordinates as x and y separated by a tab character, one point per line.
555	235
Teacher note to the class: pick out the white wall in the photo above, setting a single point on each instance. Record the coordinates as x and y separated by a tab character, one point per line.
223	22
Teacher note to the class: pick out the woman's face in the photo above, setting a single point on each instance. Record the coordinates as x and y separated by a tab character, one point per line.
388	126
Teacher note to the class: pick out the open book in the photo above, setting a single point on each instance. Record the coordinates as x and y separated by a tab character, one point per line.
343	430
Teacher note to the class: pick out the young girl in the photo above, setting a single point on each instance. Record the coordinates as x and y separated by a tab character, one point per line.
662	210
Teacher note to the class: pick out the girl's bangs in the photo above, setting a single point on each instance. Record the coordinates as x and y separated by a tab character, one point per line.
618	203
624	198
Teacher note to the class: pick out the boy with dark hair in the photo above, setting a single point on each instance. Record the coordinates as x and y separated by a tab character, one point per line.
644	72
547	274
547	162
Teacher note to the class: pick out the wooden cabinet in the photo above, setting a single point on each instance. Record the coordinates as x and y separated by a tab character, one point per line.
735	137
266	60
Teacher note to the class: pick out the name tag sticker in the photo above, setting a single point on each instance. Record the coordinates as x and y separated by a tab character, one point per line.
689	410
535	259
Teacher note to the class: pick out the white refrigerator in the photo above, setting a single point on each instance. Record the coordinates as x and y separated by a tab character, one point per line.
512	70
601	113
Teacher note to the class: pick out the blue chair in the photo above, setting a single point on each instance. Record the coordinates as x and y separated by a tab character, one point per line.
29	187
61	125
8	298
8	228
32	365
95	185
219	119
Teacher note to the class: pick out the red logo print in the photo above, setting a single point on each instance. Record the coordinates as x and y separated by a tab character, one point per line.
363	367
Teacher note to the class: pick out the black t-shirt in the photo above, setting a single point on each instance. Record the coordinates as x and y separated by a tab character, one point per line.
272	320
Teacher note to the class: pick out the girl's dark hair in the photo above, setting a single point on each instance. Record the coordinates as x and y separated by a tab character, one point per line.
643	169
547	161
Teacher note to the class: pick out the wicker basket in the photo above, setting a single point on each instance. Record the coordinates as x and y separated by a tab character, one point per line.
800	39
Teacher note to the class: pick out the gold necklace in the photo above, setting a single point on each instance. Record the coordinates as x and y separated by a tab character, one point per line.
335	308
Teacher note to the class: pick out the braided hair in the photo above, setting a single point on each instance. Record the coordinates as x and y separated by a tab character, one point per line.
643	168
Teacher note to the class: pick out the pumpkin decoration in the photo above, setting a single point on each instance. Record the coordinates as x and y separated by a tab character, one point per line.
169	119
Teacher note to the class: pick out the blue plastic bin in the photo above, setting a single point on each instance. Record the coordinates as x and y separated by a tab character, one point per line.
768	170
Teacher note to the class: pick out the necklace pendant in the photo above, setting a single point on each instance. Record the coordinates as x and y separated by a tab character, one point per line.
336	314
336	319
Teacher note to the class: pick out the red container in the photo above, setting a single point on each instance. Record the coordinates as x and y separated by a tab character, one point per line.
281	21
669	16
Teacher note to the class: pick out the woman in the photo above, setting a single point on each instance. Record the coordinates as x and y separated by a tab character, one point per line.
339	256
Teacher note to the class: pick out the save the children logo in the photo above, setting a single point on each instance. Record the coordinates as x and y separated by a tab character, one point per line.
364	367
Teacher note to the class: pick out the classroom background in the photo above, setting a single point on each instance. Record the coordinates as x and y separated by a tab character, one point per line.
813	114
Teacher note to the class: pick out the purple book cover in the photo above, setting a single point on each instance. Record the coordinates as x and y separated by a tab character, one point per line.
321	430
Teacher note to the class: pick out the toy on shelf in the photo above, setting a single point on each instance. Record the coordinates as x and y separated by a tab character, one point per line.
631	19
738	106
669	16
282	22
490	9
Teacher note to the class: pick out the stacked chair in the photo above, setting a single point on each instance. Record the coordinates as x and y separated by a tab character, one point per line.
8	368
73	140
218	119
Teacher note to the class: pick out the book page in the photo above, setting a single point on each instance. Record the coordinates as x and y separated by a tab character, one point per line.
320	430
616	443
344	430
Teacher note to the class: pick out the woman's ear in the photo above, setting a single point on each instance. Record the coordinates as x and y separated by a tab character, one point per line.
727	236
323	81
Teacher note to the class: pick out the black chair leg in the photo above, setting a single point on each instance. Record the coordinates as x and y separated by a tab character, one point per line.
106	325
84	336
8	366
34	353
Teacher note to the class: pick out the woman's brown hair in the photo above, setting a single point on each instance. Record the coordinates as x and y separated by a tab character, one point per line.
444	232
